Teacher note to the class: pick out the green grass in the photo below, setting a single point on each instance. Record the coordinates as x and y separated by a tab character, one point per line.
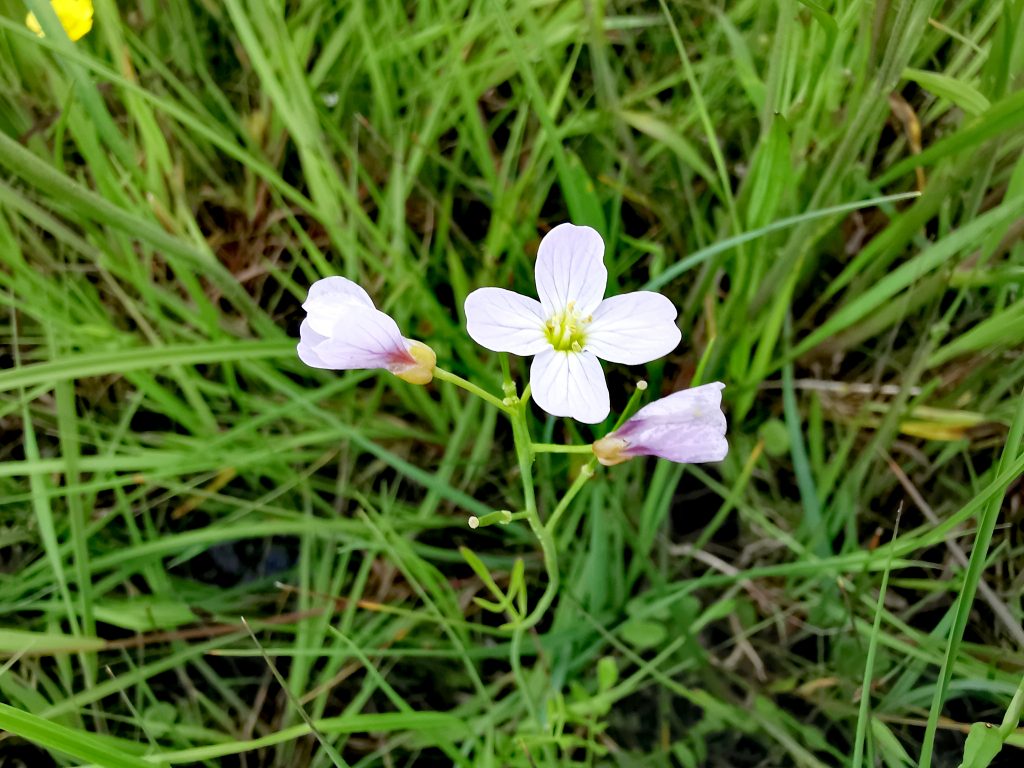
170	186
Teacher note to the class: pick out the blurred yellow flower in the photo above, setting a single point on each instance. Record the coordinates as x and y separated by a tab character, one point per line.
75	16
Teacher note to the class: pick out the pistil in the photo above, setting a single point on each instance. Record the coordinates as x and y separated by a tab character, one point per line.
566	330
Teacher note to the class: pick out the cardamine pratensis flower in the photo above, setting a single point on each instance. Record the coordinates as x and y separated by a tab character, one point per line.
75	16
344	331
687	427
571	326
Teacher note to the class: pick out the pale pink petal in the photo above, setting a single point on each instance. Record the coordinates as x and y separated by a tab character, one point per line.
686	427
331	299
682	443
364	338
633	328
308	342
504	321
570	267
339	287
570	384
703	403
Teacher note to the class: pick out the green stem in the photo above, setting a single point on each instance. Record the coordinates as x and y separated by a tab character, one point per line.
555	448
524	455
516	410
586	472
520	677
632	405
451	378
500	517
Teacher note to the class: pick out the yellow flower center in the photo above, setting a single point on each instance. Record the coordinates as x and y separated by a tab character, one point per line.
566	331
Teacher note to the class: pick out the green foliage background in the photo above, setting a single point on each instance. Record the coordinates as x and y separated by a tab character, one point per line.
172	184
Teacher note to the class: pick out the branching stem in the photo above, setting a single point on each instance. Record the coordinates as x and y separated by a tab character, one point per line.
442	375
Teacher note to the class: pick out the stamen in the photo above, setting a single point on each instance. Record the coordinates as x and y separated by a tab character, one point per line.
566	330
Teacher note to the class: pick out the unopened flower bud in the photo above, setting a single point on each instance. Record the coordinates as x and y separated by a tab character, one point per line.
344	331
609	450
422	371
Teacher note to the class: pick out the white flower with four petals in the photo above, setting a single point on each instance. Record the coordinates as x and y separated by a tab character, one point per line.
573	325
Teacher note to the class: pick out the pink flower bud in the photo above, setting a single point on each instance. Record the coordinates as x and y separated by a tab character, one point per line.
344	331
687	427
